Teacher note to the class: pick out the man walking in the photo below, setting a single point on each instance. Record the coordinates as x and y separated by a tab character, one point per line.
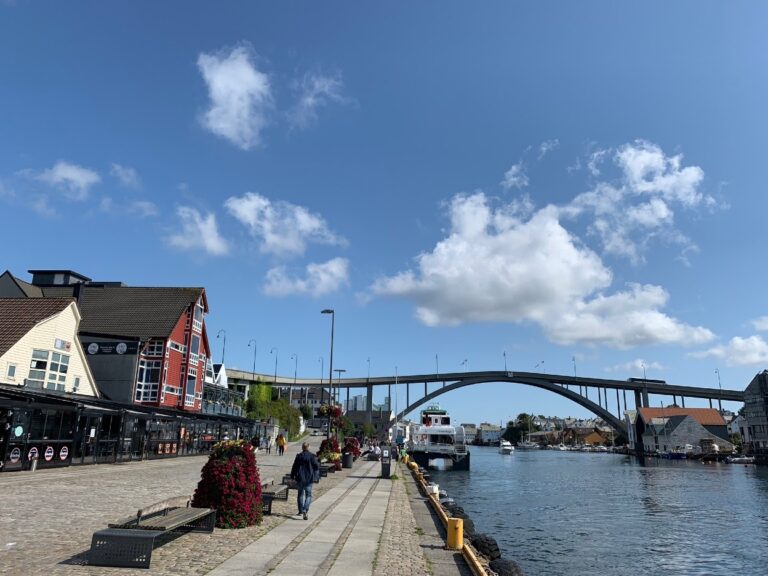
305	467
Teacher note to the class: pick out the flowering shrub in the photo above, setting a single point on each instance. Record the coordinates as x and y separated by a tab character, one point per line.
327	410
328	448
352	446
230	484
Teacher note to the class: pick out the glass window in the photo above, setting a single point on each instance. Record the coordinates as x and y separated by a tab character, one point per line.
195	346
154	348
11	371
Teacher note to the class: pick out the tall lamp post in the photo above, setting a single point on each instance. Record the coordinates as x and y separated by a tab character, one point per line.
719	400
276	352
255	349
224	347
295	358
330	369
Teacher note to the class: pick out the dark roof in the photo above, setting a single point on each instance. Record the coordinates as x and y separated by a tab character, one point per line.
29	290
19	315
133	311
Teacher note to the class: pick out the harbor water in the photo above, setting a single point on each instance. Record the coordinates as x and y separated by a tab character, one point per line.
573	513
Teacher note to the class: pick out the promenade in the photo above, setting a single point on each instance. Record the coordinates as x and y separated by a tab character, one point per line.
358	523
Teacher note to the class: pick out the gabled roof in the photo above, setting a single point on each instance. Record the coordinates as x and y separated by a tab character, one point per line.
29	290
704	416
19	315
134	311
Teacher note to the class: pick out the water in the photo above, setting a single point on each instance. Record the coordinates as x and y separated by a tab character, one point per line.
572	513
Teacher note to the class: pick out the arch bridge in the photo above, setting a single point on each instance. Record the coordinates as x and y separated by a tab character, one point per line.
577	389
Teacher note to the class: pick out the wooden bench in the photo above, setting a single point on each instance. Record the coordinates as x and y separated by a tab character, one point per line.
129	542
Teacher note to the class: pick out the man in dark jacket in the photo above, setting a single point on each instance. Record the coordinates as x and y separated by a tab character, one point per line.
305	466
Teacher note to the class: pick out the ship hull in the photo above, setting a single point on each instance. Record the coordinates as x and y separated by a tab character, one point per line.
431	460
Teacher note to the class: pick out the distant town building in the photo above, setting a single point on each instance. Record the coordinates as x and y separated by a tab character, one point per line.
489	433
673	428
470	433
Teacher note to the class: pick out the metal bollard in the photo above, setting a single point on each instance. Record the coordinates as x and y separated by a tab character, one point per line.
34	465
455	533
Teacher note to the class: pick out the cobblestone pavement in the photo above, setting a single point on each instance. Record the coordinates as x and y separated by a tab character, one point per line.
400	549
50	515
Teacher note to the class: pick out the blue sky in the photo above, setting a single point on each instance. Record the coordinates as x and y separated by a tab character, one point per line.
547	180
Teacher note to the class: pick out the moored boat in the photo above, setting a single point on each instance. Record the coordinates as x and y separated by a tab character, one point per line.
436	443
505	447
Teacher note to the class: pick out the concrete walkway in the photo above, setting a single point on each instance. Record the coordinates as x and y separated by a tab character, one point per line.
341	537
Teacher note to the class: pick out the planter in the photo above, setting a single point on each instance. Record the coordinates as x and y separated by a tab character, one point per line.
347	459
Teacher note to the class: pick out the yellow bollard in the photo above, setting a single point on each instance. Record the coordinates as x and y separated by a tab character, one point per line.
455	533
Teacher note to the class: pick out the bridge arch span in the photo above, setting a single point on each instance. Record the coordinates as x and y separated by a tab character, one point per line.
596	409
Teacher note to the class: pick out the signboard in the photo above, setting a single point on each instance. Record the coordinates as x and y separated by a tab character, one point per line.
33	453
15	455
63	453
48	454
64	345
119	348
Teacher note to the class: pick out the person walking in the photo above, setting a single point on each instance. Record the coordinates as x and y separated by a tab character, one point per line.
269	444
280	444
304	470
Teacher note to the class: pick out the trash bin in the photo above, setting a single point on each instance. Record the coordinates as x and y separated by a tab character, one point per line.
386	462
347	459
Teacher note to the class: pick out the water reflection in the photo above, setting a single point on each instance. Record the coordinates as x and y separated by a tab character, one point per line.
560	513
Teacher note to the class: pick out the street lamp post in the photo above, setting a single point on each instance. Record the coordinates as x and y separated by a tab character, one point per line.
224	347
465	363
504	353
255	348
339	372
295	358
330	368
719	385
276	352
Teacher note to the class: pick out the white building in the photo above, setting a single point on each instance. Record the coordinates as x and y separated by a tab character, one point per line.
489	433
39	347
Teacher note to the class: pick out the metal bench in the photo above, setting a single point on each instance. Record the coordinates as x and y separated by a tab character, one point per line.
268	495
129	542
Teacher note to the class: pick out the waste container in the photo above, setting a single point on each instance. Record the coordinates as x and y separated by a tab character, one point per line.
346	460
386	462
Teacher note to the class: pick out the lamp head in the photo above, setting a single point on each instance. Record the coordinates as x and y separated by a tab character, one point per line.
326	311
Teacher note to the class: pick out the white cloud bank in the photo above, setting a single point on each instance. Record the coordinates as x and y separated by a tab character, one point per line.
198	232
240	94
75	181
515	177
752	350
637	366
320	279
495	266
282	228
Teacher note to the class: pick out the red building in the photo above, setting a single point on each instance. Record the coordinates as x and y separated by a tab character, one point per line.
146	345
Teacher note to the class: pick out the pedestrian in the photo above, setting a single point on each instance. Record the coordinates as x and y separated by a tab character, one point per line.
269	444
280	444
304	471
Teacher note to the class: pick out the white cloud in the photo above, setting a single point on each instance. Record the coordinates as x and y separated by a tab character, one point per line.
241	96
320	279
628	215
198	231
515	177
496	267
760	324
281	227
74	180
144	208
637	366
41	205
126	175
739	351
547	146
315	91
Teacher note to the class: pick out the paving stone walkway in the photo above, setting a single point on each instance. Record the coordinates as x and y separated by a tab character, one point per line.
49	516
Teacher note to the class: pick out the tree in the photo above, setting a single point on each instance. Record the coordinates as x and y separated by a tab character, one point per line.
369	431
306	411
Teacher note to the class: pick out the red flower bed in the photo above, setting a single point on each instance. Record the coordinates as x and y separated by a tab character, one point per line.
352	445
230	483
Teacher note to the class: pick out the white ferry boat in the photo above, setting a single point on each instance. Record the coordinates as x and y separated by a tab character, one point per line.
436	443
505	447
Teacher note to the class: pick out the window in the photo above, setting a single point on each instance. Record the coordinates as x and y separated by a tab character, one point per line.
148	381
51	375
11	373
76	387
194	347
176	346
153	348
197	322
